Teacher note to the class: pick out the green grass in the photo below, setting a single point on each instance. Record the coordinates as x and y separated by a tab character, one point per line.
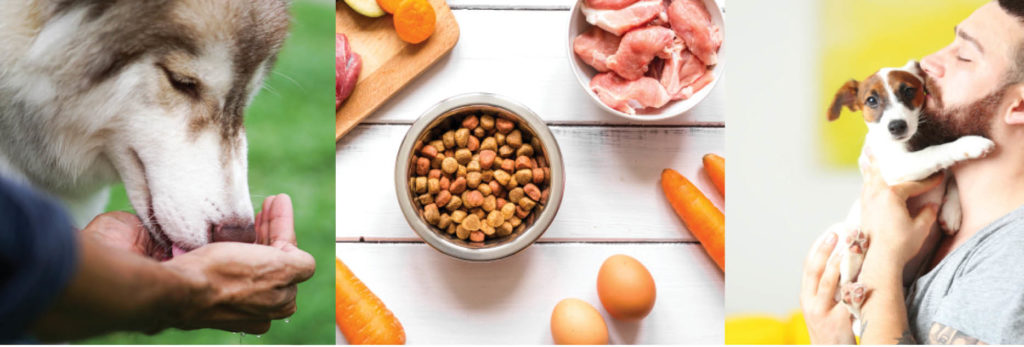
290	127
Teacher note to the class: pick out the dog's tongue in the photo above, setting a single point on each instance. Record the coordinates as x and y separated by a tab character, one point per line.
176	251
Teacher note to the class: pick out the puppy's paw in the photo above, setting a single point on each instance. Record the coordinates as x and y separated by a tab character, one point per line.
949	219
853	258
971	147
853	294
857	241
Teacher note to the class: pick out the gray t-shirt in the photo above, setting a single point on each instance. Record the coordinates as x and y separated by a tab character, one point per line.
978	289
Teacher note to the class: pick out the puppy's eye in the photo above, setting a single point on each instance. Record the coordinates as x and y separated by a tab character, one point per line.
908	92
872	102
184	84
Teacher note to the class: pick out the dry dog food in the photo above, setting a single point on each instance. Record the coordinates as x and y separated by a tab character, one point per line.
478	176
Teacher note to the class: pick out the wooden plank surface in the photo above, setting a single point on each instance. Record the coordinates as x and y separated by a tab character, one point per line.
612	181
388	63
442	300
613	203
499	53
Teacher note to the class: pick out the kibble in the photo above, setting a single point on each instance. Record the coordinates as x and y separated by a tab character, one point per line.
463	156
449	165
523	162
524	176
462	137
479	177
431	214
458	186
476	236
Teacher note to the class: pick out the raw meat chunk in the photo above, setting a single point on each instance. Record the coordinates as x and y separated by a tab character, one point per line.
595	46
618	22
628	96
692	23
347	65
609	4
638	48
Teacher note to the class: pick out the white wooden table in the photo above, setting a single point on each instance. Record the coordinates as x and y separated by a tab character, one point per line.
613	201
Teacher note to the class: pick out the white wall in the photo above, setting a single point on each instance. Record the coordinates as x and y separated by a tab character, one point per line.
780	199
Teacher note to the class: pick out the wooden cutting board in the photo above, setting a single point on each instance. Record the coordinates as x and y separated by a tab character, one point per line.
388	62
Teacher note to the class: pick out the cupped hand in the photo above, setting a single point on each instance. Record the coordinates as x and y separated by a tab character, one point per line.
828	322
124	231
242	287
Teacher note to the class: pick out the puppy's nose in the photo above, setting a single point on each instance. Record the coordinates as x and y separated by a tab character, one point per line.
898	127
233	232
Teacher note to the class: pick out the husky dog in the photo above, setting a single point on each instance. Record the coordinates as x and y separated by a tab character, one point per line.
148	92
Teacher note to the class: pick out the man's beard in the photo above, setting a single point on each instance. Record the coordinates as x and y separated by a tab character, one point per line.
940	125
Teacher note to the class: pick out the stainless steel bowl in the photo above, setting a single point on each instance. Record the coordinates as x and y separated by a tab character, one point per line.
527	121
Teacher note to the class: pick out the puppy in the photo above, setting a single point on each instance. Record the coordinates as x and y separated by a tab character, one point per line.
891	101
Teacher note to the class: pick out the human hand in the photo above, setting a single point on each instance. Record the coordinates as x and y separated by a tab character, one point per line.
894	235
242	287
827	321
124	231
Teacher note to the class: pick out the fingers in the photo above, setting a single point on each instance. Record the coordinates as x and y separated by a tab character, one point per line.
910	189
125	217
814	265
262	227
280	221
829	280
301	264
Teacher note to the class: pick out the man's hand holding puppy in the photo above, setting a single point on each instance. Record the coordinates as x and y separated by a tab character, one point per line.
895	236
225	285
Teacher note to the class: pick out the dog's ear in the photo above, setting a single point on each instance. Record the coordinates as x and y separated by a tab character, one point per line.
846	96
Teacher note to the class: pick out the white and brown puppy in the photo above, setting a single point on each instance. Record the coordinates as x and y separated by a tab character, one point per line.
891	101
148	92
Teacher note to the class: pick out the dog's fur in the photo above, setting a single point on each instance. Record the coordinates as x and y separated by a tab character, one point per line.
891	101
148	92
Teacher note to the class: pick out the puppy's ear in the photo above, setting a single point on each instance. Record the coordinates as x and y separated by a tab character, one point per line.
846	96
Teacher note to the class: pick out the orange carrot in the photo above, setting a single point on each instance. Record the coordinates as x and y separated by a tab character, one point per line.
389	6
414	20
360	315
714	165
702	218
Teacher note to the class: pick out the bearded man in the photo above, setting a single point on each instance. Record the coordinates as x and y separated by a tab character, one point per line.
972	285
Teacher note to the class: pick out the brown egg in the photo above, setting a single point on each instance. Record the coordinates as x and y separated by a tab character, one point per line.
626	288
575	322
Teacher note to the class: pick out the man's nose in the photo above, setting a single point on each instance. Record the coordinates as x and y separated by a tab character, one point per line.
932	65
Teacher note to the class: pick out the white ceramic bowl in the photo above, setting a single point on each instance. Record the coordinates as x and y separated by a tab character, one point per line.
584	73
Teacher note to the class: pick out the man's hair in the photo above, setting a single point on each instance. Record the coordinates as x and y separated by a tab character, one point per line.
1016	9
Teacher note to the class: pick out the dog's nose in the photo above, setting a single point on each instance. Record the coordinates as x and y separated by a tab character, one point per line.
898	127
232	232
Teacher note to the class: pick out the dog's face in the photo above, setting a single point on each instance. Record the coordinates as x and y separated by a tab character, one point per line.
163	85
891	100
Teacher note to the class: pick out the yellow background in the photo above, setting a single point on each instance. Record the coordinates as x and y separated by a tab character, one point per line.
858	38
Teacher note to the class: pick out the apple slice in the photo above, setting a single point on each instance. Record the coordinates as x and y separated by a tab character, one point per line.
367	8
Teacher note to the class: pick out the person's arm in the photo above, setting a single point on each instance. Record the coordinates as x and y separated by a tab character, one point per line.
227	285
940	334
884	312
894	238
115	290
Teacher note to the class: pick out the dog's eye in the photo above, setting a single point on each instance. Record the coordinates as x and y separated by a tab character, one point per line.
187	85
872	102
908	92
